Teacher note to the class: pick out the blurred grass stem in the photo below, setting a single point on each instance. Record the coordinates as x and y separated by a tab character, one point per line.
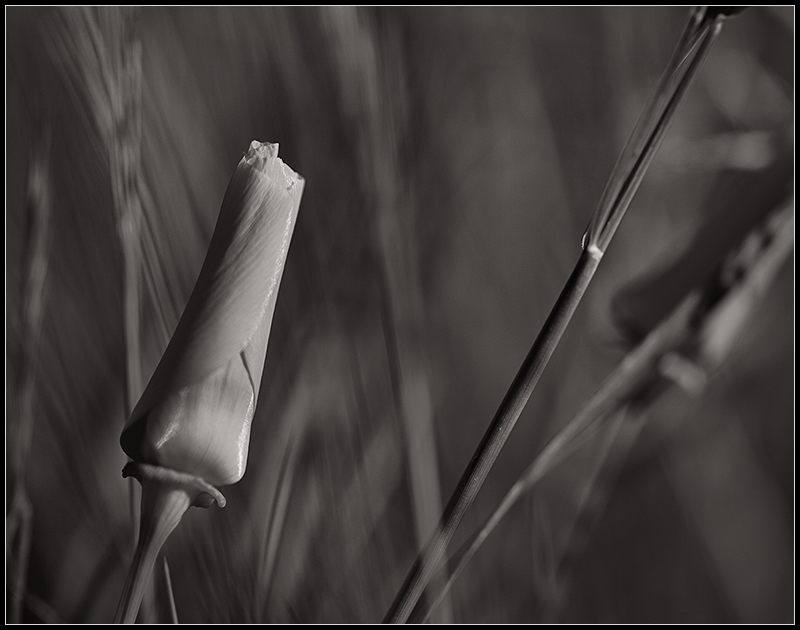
622	186
169	595
20	509
370	68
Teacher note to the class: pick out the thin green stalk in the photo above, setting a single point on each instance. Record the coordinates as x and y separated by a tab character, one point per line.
606	220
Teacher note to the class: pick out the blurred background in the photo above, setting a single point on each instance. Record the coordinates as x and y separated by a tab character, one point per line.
453	157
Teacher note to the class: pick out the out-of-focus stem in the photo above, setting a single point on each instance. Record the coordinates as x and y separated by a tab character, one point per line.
496	435
373	91
20	512
170	596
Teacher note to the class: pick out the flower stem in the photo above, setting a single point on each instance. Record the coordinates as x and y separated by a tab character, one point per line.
166	495
162	509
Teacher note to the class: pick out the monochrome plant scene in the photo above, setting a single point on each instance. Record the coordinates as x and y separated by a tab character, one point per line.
399	314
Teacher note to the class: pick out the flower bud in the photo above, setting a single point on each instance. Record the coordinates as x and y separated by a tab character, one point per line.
195	413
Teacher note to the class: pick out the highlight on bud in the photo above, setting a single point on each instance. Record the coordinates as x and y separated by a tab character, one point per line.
195	413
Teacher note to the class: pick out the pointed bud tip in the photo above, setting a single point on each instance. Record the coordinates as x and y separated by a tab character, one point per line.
263	158
263	150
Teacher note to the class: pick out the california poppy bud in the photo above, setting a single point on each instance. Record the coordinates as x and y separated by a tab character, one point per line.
195	413
190	430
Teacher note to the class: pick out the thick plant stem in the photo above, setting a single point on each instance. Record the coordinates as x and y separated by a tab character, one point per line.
166	495
162	509
496	435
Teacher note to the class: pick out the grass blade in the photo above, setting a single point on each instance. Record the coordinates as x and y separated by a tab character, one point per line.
635	370
601	231
495	437
714	326
277	520
625	182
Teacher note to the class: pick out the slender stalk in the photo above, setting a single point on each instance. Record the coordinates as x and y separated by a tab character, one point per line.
710	333
170	596
276	521
605	231
166	495
18	547
624	183
644	126
496	435
162	509
612	395
100	54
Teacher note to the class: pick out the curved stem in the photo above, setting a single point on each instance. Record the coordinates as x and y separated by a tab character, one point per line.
166	495
162	509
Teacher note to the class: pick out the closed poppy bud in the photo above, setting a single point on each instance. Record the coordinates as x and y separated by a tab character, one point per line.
190	430
195	413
